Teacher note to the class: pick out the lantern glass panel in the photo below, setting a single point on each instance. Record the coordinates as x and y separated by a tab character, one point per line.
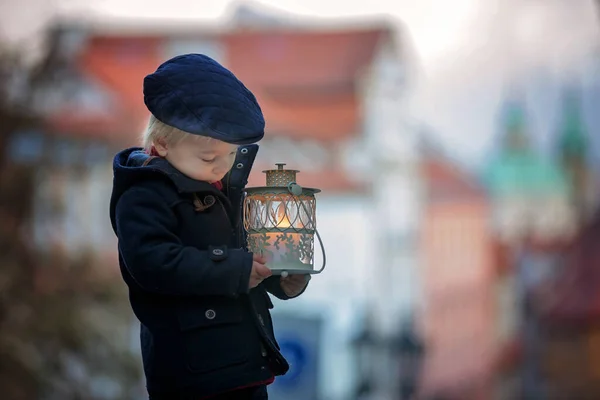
281	226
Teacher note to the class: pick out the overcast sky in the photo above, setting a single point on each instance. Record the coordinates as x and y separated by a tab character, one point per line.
468	48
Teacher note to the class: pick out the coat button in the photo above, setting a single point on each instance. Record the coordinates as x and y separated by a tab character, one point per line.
244	150
239	166
209	200
217	252
210	314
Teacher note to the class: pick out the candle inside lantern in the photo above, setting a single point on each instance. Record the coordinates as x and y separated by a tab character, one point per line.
282	220
286	248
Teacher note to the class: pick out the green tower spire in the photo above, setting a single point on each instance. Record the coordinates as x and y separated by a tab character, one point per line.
573	151
572	140
518	170
515	139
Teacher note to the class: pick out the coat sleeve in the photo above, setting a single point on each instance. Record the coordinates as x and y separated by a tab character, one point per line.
273	285
157	260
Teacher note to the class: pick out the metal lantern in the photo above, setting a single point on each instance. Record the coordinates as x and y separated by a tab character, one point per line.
280	219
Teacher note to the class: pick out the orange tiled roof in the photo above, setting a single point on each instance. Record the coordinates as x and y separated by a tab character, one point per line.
116	128
304	80
445	181
120	64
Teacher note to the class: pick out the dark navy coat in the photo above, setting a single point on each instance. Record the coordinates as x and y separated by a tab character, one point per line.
202	331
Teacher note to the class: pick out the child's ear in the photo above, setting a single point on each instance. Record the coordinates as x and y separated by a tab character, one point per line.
161	147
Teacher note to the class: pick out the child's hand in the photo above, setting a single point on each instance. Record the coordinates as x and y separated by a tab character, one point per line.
259	272
293	285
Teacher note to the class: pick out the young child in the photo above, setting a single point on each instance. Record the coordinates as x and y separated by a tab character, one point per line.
200	296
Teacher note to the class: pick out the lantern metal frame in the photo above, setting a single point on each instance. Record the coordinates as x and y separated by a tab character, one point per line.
285	211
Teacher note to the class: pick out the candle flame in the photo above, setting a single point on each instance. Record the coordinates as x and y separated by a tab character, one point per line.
282	219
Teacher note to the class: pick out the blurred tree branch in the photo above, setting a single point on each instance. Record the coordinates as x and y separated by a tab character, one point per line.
57	312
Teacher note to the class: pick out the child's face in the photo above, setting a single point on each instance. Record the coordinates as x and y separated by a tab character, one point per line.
201	160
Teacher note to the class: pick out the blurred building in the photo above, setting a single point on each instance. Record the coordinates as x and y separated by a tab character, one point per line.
560	315
458	264
566	308
541	200
335	100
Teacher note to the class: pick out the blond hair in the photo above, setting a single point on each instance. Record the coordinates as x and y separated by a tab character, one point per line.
157	130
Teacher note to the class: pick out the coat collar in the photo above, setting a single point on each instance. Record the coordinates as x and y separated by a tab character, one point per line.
183	183
133	163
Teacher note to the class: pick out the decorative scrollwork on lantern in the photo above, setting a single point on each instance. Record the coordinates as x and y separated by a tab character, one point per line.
280	220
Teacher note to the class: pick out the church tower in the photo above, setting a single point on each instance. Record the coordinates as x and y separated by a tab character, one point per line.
573	153
529	193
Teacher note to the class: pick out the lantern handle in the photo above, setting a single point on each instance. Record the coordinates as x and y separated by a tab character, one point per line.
322	252
296	190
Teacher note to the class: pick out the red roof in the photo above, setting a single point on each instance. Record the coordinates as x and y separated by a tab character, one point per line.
120	64
300	59
115	128
305	81
445	181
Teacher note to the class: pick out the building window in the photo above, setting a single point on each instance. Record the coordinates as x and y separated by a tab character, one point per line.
49	207
26	147
89	96
66	152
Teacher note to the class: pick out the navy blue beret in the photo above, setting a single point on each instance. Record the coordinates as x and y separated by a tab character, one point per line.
196	94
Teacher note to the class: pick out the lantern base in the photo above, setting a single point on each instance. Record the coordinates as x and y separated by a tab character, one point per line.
291	271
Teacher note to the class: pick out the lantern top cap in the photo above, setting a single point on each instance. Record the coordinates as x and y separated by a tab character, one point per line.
280	177
280	168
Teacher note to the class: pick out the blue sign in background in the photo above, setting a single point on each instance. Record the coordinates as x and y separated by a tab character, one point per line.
299	338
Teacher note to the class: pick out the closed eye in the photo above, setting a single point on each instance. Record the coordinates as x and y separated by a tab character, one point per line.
208	161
